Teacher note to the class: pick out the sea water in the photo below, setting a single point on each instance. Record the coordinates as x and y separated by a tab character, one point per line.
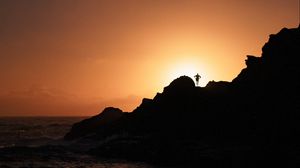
22	140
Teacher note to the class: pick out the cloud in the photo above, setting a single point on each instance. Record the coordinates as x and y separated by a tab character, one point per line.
40	91
42	100
39	100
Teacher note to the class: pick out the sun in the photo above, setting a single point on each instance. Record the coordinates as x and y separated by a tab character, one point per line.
183	69
189	69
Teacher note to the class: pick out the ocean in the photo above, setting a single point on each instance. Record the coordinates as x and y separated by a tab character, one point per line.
36	142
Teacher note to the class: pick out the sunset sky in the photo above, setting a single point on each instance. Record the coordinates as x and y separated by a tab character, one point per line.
75	57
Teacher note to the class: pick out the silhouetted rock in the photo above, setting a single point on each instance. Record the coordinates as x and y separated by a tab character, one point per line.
91	125
218	87
253	121
180	84
277	68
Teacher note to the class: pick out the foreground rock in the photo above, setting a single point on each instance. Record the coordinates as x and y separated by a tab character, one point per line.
252	121
94	123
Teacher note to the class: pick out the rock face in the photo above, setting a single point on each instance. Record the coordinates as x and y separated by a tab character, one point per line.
181	84
91	125
278	67
252	121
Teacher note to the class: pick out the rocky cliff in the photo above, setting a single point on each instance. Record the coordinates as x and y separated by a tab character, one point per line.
252	121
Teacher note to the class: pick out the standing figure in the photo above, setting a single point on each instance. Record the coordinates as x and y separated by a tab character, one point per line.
197	77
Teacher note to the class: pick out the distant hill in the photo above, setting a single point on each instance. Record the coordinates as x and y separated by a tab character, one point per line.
253	121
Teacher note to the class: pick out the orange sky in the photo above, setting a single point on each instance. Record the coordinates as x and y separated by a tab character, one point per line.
74	57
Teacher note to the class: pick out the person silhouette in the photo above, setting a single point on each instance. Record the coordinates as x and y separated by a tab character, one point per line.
197	77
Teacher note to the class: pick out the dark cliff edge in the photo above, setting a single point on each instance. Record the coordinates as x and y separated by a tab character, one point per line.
253	121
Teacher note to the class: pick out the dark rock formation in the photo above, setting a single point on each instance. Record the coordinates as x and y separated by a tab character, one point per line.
252	121
181	84
91	125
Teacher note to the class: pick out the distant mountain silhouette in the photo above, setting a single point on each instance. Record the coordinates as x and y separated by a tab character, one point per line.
253	121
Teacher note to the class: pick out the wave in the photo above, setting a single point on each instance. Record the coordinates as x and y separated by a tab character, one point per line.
52	156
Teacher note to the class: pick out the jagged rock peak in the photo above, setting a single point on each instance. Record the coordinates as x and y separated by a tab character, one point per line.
282	47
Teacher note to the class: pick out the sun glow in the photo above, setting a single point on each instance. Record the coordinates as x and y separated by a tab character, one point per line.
183	69
187	68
